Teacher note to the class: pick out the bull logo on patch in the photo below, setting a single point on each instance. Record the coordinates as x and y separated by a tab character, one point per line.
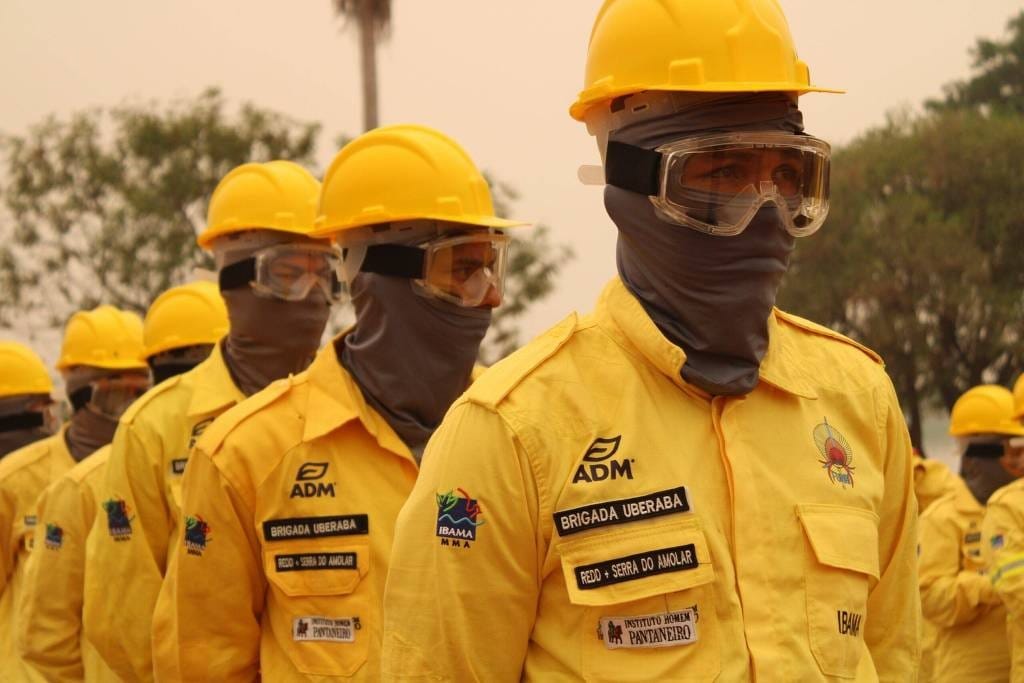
837	455
119	519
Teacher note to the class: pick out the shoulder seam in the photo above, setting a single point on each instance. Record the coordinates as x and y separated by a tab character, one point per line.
148	398
823	331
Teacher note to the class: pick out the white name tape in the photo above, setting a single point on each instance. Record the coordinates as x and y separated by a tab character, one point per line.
330	629
667	629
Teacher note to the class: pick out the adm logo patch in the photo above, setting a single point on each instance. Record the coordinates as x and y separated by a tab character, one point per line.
307	484
599	463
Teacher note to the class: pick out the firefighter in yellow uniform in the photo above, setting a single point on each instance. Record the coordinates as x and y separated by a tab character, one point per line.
181	325
290	499
26	400
258	226
1003	531
956	594
103	372
687	482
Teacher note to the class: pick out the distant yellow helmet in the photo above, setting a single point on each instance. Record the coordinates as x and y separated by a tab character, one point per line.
276	195
187	315
401	173
690	45
22	371
1018	398
985	409
104	337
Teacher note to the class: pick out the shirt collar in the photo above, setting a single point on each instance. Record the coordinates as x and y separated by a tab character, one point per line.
629	318
213	389
335	399
62	457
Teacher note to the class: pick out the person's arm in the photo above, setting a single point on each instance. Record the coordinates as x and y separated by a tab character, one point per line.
460	606
892	633
9	540
49	606
127	549
949	596
1003	545
206	626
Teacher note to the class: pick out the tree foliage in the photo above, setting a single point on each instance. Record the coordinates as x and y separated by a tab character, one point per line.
997	83
920	257
104	206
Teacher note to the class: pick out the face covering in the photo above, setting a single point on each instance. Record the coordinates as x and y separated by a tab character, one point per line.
23	421
269	338
89	427
711	296
411	355
177	361
982	471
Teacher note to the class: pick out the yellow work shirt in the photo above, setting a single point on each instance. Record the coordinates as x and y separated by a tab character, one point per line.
1003	549
584	513
956	594
290	502
50	635
23	476
140	497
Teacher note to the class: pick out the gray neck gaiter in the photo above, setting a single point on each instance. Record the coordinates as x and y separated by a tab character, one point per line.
711	296
411	356
982	470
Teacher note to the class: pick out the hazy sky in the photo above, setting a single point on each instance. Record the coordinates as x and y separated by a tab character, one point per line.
496	75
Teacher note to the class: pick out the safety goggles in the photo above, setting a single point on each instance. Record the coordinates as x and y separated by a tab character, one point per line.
467	270
288	272
111	395
717	183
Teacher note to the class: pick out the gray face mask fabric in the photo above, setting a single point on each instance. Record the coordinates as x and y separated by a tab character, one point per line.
411	355
711	296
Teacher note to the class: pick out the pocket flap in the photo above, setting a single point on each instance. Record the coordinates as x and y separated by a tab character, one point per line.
842	537
623	566
298	569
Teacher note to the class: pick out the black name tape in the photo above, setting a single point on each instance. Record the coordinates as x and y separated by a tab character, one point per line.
315	561
315	527
650	563
608	513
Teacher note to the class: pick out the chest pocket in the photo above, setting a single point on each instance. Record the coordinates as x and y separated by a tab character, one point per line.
840	563
648	600
320	607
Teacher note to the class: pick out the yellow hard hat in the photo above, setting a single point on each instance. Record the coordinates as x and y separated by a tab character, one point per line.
1018	398
986	409
276	195
104	337
400	173
690	45
22	371
187	315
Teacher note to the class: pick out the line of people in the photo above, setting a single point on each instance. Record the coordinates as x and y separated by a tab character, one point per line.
686	484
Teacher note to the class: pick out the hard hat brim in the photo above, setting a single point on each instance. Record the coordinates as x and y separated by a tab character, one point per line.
589	98
472	221
206	238
104	365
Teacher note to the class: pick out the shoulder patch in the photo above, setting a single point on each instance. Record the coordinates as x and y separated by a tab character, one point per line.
496	383
132	411
822	331
225	423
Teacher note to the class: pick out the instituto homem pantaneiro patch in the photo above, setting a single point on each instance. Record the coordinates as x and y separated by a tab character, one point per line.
666	629
328	629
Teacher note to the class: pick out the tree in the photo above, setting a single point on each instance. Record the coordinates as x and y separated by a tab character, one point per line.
920	257
105	205
373	21
998	80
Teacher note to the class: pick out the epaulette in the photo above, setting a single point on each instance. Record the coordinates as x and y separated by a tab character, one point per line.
226	422
495	384
128	416
822	331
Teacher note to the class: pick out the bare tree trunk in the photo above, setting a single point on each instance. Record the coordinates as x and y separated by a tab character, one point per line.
368	56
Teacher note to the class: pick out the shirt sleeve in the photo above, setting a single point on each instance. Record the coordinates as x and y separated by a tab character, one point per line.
132	558
206	626
1003	545
9	539
893	630
465	575
950	596
50	601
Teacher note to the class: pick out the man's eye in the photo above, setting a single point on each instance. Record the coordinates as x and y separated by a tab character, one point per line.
729	172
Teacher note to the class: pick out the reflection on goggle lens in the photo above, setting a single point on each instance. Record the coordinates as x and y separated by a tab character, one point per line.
288	272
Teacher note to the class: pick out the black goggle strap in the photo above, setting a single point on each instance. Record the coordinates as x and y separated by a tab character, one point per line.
237	275
633	168
164	371
12	423
395	260
240	274
80	397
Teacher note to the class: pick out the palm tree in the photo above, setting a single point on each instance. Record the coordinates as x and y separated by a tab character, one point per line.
373	19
